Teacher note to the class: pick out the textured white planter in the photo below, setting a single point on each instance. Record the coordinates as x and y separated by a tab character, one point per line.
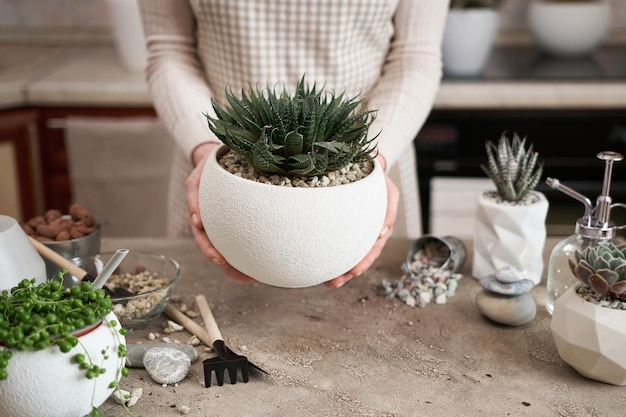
47	383
468	39
291	237
505	234
590	338
568	29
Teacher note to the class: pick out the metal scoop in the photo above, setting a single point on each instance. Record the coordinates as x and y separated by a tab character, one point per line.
109	267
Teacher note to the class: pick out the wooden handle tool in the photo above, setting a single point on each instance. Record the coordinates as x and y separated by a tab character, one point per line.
209	320
193	327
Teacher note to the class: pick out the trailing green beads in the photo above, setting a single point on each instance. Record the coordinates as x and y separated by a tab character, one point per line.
35	317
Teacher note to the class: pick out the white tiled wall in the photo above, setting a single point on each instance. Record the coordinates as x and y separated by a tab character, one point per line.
94	14
87	14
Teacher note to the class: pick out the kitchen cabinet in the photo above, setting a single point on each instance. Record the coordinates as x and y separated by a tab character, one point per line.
57	188
20	174
452	145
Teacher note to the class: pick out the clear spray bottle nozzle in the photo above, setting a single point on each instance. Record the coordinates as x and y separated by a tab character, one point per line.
556	184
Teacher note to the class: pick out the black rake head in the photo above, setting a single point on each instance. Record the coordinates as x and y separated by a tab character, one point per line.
226	360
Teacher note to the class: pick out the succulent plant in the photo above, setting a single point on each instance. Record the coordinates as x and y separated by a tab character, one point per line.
514	170
603	268
309	133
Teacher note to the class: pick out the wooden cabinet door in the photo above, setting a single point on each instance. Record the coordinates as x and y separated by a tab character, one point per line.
54	162
20	176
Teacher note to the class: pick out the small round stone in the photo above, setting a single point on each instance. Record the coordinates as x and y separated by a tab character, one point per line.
136	352
506	288
510	274
166	365
512	310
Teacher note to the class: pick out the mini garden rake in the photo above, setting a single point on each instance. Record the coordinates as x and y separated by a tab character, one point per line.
226	359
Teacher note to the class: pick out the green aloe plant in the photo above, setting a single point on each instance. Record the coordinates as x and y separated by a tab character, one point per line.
603	268
309	133
513	168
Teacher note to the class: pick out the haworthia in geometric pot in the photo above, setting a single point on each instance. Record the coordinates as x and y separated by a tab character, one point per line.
510	227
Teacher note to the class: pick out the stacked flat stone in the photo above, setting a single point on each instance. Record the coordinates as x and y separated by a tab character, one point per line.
505	297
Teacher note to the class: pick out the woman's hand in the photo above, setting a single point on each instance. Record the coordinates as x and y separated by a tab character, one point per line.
393	197
192	184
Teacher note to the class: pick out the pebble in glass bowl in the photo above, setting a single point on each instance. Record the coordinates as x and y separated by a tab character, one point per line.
140	287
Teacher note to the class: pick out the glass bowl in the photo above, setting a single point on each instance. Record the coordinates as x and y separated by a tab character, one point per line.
140	287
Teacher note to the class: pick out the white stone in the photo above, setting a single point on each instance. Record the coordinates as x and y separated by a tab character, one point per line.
510	274
166	365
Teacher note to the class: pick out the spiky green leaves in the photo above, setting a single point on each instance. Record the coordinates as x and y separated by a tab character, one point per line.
308	133
514	170
602	267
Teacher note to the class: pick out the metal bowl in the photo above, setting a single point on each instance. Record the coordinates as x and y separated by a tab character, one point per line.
82	247
444	253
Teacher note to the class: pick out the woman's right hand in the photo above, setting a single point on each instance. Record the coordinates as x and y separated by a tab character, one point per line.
192	184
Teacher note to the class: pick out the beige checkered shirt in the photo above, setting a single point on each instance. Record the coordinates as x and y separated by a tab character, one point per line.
387	50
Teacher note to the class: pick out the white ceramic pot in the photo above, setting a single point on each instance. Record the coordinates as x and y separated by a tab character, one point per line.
48	383
468	40
288	236
590	338
506	234
18	257
568	29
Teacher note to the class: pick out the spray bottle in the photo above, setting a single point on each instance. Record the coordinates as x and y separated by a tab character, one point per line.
593	229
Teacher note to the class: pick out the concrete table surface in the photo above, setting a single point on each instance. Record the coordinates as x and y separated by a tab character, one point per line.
353	352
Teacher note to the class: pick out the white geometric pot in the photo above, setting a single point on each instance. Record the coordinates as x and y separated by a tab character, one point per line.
506	234
48	383
468	39
289	236
569	29
590	338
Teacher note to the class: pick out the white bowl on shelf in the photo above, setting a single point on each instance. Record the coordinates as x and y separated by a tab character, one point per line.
568	29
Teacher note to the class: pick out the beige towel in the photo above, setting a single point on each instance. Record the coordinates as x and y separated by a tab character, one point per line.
119	169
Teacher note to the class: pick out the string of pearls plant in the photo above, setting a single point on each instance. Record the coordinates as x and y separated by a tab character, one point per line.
35	317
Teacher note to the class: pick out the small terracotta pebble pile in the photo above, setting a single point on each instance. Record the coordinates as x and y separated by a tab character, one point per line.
54	226
424	282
